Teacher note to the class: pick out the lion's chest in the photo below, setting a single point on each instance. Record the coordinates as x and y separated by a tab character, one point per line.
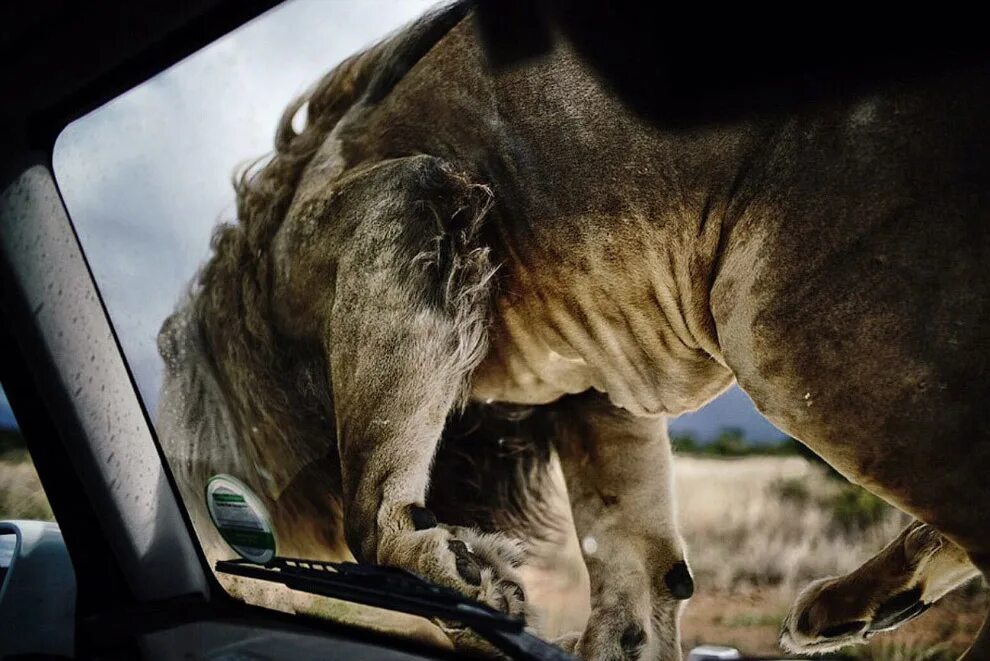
522	368
544	348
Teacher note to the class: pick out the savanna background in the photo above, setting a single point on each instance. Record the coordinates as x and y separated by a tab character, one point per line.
761	520
146	178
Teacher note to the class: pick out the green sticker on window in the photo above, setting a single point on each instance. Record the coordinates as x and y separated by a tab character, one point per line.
241	518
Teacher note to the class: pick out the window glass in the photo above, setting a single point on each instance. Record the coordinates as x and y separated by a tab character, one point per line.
147	178
7	543
147	181
21	495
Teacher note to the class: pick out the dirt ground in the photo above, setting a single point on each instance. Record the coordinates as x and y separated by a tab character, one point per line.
750	622
758	529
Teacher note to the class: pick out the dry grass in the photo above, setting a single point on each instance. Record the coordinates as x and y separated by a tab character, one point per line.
21	495
759	528
774	522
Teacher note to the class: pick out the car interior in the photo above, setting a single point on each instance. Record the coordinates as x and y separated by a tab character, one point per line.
124	573
141	587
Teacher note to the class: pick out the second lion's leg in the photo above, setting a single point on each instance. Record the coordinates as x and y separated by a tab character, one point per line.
619	478
496	471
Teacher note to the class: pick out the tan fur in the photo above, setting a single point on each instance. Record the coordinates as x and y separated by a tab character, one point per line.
905	578
619	470
440	237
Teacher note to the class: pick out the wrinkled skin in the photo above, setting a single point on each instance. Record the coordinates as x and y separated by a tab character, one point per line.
521	237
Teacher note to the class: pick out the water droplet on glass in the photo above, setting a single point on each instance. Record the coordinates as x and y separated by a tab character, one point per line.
589	545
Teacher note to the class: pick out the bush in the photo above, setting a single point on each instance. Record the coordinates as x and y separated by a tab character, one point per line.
11	441
793	490
684	444
731	442
855	509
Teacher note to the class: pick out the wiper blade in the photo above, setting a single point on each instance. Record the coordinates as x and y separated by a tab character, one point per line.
396	589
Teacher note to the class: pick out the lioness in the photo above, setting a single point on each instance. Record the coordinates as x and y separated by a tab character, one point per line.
453	275
910	574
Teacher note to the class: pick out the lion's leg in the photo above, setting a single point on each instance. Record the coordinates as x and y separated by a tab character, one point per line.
858	323
980	649
388	266
618	473
897	584
496	471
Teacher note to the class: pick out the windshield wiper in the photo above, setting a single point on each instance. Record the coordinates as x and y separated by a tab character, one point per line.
399	590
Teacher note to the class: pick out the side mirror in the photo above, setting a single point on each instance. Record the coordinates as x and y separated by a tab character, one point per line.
37	590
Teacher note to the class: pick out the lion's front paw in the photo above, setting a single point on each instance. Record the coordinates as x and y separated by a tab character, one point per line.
615	635
488	564
631	626
480	565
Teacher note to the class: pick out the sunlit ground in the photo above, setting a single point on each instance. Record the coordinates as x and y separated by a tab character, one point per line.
760	528
757	528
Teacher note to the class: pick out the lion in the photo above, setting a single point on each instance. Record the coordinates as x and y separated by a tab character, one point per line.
458	282
901	582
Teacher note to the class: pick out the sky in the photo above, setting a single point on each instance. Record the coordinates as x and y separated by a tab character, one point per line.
147	176
6	415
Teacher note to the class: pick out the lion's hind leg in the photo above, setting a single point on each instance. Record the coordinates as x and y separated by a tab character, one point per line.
899	583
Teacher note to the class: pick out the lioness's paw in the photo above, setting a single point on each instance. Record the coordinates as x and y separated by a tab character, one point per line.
830	614
568	642
488	562
482	566
614	635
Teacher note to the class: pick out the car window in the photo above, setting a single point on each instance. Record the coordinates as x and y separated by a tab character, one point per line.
147	181
21	493
145	214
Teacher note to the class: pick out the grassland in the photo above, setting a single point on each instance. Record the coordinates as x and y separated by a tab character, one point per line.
759	528
21	495
759	523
